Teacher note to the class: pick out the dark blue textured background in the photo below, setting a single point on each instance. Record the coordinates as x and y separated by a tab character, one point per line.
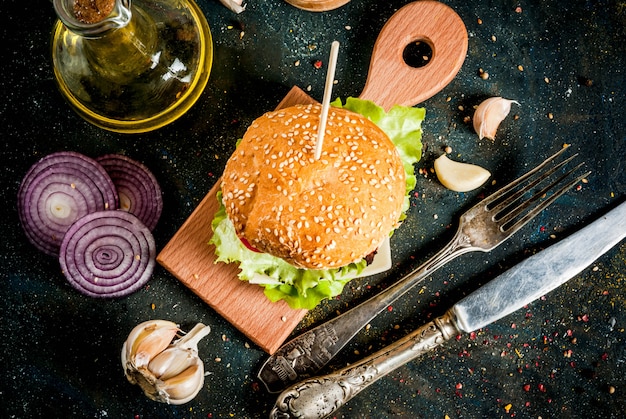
60	350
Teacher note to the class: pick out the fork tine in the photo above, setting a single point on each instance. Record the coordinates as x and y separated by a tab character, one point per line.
512	228
508	201
497	195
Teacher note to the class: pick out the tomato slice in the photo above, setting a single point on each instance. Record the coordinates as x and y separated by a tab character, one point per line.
248	245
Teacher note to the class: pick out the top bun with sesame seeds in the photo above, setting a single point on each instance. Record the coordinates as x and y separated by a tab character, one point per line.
314	214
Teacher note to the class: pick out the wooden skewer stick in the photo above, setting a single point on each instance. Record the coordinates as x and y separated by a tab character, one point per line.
328	88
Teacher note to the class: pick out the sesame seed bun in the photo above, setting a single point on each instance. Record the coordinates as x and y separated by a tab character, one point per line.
314	214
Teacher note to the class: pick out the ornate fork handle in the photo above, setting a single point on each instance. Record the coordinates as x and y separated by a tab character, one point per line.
321	396
306	354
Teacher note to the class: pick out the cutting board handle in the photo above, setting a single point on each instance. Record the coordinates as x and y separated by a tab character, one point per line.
390	80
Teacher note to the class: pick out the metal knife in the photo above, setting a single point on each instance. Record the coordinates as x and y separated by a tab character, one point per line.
530	279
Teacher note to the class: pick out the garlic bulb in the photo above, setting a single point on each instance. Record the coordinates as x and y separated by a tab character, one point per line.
459	177
489	114
167	372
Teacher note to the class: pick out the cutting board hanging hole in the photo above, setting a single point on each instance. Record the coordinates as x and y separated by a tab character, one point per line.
418	53
432	33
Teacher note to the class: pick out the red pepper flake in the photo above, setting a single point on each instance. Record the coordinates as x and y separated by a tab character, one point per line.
518	9
389	308
584	318
604	356
542	229
459	386
542	388
464	354
472	335
458	337
569	332
317	64
513	326
526	387
527	404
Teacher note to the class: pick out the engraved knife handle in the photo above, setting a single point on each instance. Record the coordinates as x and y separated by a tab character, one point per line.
318	397
307	353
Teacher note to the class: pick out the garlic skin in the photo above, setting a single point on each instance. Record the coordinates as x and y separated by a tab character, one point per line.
167	372
236	6
489	114
459	177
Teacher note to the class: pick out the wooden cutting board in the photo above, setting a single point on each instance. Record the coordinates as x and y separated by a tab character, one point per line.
190	258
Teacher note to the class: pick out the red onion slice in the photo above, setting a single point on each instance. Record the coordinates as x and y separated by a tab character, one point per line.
56	191
108	254
138	190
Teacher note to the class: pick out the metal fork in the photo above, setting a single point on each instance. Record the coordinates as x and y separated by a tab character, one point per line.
482	228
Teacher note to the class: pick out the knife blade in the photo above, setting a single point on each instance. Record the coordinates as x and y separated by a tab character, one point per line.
532	278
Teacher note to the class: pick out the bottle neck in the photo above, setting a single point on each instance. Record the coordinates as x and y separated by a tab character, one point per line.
93	24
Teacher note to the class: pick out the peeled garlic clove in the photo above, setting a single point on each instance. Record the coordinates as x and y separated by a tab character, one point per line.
459	177
489	114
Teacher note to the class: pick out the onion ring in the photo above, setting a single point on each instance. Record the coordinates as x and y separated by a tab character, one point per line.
138	190
108	254
56	191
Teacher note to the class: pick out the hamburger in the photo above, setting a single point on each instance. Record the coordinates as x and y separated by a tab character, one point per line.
303	227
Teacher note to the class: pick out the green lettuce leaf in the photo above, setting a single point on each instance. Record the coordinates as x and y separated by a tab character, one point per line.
403	125
306	288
